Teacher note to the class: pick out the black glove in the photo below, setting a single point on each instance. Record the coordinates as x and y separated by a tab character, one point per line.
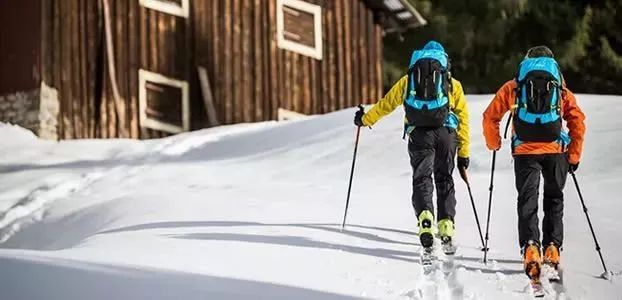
573	167
463	162
358	117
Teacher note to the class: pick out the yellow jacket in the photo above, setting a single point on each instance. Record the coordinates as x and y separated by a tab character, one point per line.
457	106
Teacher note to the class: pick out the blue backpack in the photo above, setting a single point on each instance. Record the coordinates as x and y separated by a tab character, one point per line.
537	117
426	101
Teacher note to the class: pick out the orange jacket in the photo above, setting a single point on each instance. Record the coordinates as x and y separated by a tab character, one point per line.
505	99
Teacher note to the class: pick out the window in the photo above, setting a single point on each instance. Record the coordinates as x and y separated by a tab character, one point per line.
299	27
180	8
163	102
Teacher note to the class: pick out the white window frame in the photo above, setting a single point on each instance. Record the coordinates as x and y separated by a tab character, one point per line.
145	121
316	11
168	7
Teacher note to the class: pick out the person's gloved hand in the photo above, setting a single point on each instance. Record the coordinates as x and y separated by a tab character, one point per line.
358	117
463	162
495	145
573	167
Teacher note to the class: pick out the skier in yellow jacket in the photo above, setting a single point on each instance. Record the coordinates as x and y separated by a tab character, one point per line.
437	125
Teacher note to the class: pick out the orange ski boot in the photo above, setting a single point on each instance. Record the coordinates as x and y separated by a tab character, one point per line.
551	255
532	260
551	261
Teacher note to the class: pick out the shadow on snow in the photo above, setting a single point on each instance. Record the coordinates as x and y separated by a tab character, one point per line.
67	279
298	241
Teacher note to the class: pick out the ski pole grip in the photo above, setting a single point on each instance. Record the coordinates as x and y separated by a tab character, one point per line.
362	109
463	175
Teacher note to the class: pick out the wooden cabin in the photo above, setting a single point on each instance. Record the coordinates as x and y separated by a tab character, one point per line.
149	68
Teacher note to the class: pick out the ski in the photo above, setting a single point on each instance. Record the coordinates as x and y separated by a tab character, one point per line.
428	260
551	273
448	247
448	265
537	288
533	269
554	275
545	280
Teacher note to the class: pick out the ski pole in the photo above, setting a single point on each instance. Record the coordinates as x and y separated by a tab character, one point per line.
464	176
356	145
589	222
492	176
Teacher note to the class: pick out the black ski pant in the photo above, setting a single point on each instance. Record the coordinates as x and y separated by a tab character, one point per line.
554	170
432	151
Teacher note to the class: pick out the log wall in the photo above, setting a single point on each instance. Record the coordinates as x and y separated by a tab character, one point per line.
251	77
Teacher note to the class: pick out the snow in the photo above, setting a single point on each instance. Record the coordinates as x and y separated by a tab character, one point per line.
254	210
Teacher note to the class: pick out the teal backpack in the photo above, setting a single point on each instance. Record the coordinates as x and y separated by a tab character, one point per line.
537	117
426	101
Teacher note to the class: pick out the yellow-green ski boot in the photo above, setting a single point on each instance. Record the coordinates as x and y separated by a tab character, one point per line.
446	231
426	235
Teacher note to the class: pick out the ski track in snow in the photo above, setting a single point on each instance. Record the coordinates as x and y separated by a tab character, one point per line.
32	208
442	283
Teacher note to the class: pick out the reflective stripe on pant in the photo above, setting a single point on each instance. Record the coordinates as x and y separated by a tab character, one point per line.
432	151
527	169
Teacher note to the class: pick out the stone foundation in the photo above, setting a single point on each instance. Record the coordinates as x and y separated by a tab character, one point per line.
36	110
49	108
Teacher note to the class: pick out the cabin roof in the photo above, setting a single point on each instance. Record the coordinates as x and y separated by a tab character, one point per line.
400	14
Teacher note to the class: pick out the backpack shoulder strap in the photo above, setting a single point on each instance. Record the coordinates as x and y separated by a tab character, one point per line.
513	107
450	82
561	100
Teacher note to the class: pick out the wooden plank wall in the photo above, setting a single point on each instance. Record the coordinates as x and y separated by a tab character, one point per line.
236	42
71	39
75	62
252	77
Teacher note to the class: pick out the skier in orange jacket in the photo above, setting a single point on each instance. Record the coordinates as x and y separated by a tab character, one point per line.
538	100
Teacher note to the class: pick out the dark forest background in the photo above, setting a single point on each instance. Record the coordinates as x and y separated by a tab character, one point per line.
486	39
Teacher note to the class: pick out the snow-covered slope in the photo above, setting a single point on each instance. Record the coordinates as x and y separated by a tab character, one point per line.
255	211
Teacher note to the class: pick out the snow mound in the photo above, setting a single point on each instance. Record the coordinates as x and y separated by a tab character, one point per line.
14	135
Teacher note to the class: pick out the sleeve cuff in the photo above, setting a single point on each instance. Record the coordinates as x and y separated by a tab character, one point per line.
463	153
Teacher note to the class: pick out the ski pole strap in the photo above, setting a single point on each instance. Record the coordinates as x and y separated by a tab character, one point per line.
507	125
